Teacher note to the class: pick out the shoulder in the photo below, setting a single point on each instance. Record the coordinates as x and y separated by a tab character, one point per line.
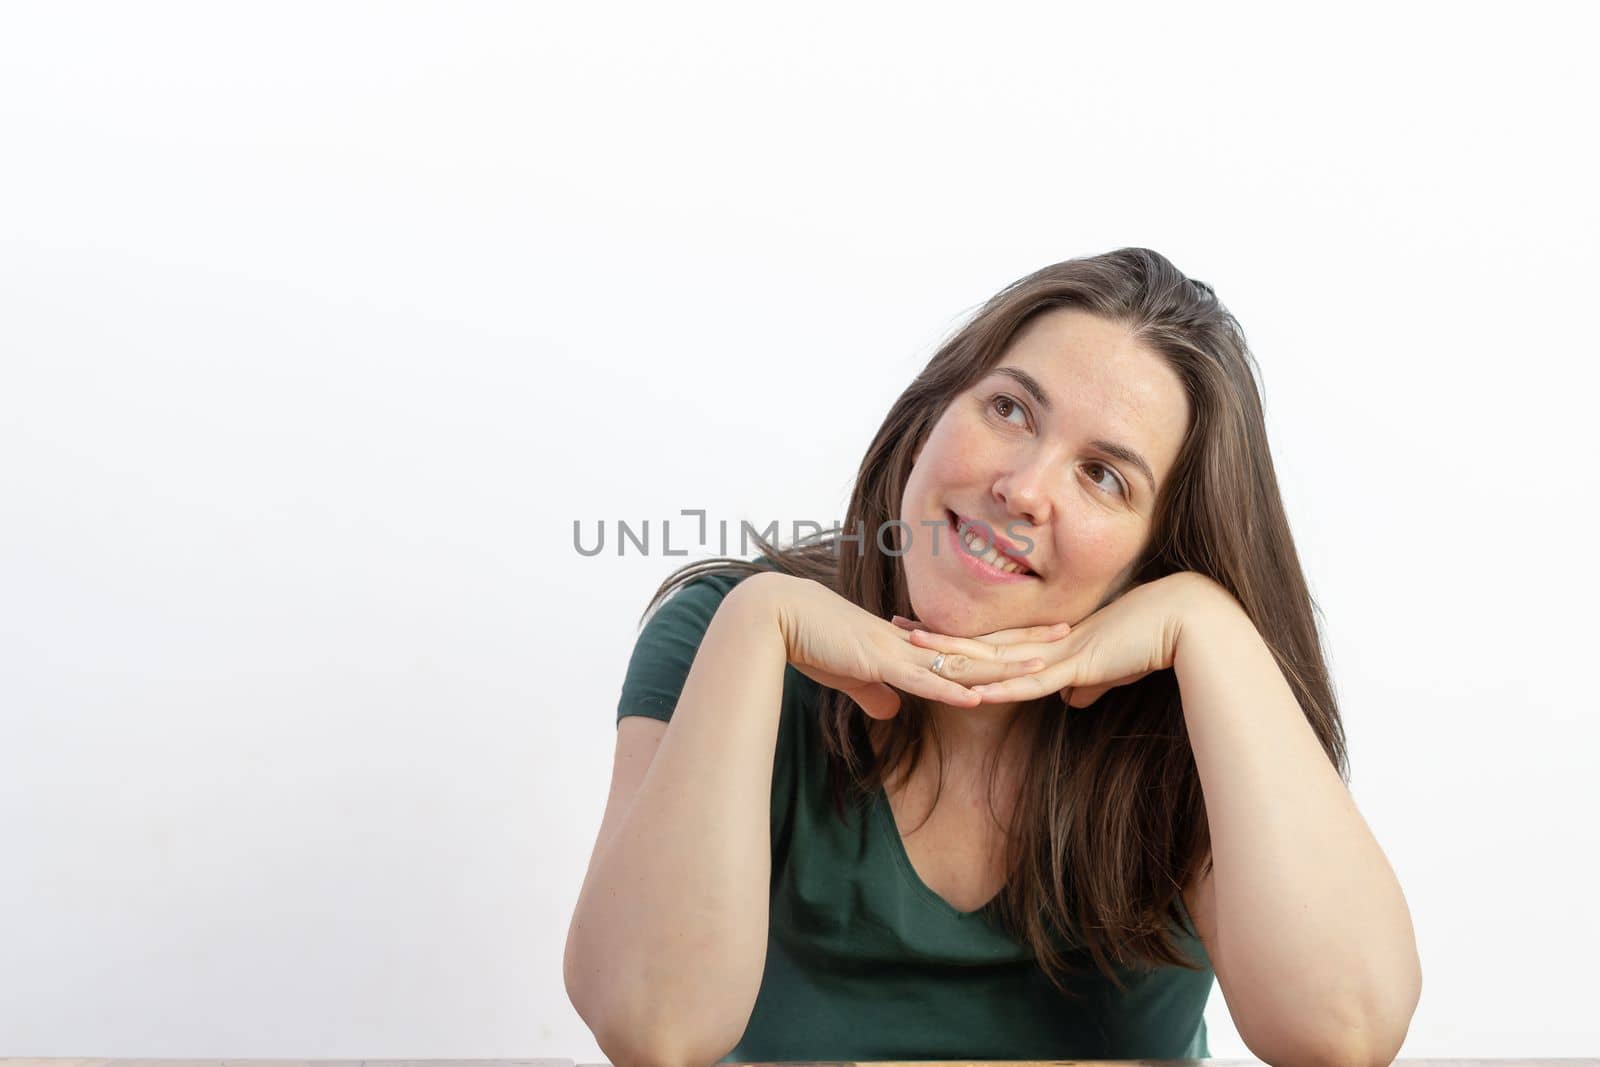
666	644
694	601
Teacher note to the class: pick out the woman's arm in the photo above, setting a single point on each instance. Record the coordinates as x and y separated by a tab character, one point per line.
669	937
1303	918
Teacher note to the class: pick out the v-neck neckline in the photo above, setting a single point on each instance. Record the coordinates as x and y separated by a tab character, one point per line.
897	847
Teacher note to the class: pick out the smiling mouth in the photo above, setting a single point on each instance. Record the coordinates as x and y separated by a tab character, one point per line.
985	550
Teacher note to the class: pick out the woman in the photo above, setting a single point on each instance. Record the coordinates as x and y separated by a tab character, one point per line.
1102	765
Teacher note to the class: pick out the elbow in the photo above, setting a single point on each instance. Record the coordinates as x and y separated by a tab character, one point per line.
586	998
1310	1050
1352	1052
632	1043
578	993
635	1043
1360	1052
1366	1039
629	1044
1356	1030
643	1019
638	1047
1386	1020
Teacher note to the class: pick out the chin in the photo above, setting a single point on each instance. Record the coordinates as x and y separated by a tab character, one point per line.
949	608
947	614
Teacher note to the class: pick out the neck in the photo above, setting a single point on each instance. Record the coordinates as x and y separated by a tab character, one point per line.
970	737
968	740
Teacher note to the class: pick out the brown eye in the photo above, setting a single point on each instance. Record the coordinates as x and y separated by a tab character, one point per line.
1004	405
1115	481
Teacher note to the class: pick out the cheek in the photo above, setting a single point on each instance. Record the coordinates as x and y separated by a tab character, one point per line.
940	462
958	455
1099	542
1096	550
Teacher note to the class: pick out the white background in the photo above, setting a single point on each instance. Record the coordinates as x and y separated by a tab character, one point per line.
322	324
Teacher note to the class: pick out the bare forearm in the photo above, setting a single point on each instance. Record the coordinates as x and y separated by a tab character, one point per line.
669	934
1309	914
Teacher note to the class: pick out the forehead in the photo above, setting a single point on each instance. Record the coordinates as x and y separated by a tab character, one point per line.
1103	383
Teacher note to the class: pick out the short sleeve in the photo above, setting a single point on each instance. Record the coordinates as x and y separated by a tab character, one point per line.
665	648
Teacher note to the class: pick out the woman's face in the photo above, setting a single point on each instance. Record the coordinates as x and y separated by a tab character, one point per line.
1056	469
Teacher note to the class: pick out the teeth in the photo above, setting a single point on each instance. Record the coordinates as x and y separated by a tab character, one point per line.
991	555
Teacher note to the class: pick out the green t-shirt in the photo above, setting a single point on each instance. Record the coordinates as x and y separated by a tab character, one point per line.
864	961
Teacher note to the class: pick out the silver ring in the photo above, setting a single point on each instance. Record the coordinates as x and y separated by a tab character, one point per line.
938	662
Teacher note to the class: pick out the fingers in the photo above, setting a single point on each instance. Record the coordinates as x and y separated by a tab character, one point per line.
1019	635
1024	635
970	671
919	679
967	662
1037	634
975	648
1061	679
1023	687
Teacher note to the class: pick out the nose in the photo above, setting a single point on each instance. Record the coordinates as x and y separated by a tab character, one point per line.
1026	487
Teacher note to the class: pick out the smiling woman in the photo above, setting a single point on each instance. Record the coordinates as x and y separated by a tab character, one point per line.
1089	612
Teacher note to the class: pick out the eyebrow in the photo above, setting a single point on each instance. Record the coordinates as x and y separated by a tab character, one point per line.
1110	448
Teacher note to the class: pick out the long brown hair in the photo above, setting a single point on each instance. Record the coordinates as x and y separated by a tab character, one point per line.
1109	824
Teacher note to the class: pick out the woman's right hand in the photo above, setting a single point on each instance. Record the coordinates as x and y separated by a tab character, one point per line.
845	647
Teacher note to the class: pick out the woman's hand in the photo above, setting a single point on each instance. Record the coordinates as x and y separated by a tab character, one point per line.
1122	642
845	647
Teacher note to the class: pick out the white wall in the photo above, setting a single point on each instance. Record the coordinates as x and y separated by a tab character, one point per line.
322	324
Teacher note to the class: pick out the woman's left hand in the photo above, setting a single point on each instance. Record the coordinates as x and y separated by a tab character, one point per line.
1122	642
